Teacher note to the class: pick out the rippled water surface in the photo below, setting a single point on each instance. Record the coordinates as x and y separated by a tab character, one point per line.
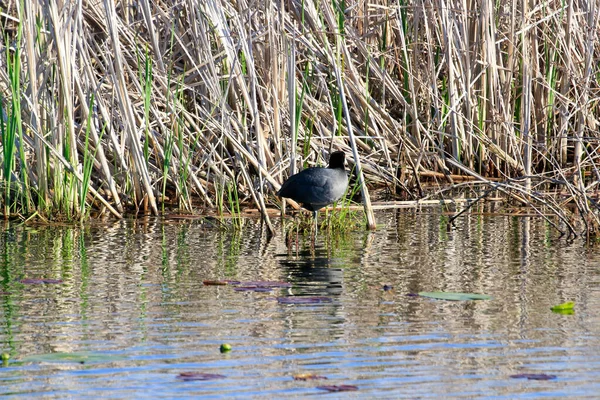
131	311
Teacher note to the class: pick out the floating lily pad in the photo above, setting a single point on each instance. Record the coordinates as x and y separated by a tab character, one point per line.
79	357
568	306
220	282
535	377
199	376
304	300
455	296
308	377
338	388
32	281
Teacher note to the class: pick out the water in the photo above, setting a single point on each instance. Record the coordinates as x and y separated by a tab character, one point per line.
133	308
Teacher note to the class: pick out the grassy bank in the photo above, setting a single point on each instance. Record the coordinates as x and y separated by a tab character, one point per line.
131	106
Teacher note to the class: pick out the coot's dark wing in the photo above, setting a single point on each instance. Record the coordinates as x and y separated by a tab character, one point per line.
304	186
315	187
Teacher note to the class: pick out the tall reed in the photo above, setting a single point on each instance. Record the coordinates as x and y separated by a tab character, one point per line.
201	92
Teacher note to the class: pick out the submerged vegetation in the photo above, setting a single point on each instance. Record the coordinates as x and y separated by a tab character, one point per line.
123	106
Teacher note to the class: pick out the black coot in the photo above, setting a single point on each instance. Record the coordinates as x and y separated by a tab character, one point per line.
317	187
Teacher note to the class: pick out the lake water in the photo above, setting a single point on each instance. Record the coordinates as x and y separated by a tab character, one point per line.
131	312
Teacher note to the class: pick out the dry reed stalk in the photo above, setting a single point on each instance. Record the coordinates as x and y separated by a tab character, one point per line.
107	175
64	32
564	87
139	166
341	47
508	188
201	93
30	10
527	100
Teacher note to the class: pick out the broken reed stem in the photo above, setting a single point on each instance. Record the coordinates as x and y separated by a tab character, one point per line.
504	90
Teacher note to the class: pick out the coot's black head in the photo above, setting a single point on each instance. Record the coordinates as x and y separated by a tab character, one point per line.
336	159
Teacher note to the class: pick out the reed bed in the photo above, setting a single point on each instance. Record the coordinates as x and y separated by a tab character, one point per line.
115	107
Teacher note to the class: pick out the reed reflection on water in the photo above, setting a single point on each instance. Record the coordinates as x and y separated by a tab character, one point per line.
132	292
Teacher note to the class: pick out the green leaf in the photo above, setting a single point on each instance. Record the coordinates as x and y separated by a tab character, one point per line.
5	357
455	296
225	348
568	306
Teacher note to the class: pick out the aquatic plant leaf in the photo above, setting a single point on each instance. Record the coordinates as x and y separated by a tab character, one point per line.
267	284
225	348
77	357
33	281
536	377
199	376
220	282
338	388
304	300
214	283
307	377
569	305
455	296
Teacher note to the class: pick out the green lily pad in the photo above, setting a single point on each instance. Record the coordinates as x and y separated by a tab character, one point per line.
569	305
455	296
564	308
79	357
